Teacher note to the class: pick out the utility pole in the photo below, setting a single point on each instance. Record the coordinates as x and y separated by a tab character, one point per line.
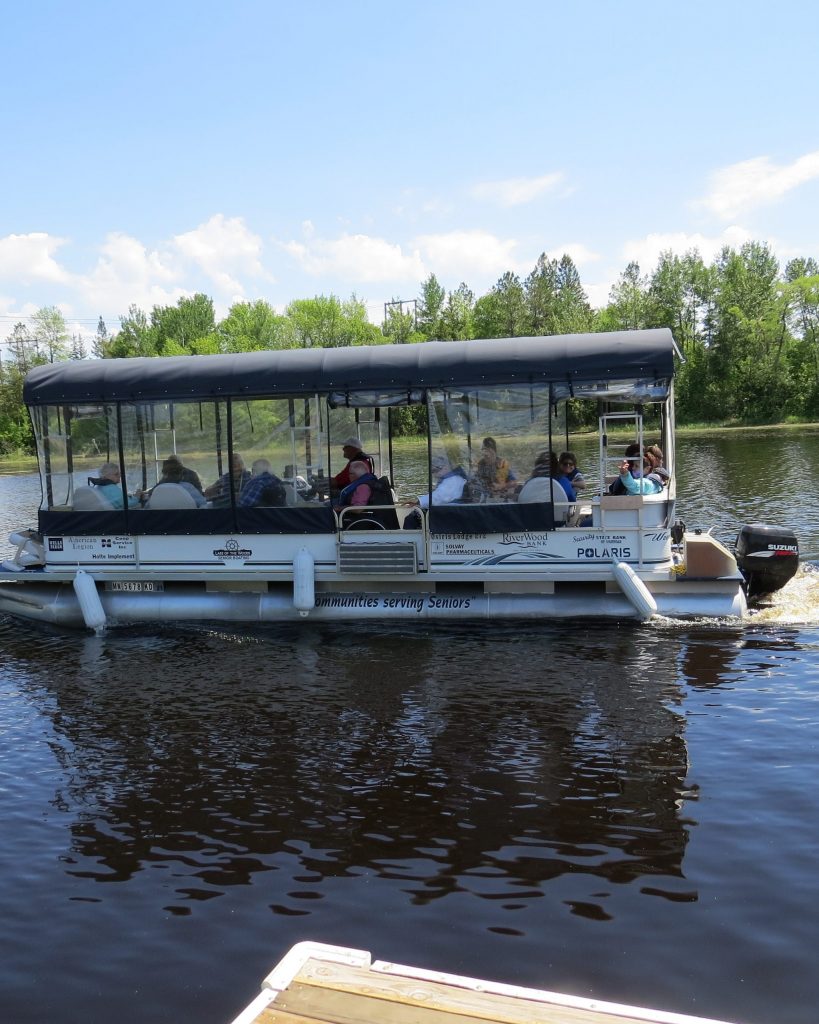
398	306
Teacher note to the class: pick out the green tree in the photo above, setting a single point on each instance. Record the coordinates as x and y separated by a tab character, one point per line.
431	307
540	289
801	294
326	322
573	314
630	305
750	332
250	326
136	337
15	425
458	314
187	327
99	347
23	347
50	333
502	312
78	349
399	325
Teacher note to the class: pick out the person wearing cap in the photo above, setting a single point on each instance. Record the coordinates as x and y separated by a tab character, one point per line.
352	450
189	476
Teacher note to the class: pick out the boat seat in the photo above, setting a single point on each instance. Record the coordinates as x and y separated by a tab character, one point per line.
89	499
170	496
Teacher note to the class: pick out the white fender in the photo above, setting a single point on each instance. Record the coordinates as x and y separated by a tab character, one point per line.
635	590
90	605
304	582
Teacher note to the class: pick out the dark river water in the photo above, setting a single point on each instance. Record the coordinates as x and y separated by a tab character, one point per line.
622	811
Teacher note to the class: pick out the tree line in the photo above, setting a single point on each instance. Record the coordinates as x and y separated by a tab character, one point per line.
748	330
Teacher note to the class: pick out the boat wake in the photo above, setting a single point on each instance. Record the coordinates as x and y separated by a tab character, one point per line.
796	603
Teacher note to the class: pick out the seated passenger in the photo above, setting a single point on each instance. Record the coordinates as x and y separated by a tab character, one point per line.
299	487
568	464
360	489
449	483
493	472
189	476
109	484
645	483
660	471
263	488
633	458
173	472
365	490
539	485
219	492
352	452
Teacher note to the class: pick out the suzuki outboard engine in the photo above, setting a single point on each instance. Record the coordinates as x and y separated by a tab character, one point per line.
767	556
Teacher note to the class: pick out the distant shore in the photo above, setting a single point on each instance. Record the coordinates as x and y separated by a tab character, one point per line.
12	464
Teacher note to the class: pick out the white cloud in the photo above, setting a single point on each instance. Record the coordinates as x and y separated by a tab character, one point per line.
357	259
579	253
466	255
30	257
743	186
646	251
598	293
224	248
127	273
515	191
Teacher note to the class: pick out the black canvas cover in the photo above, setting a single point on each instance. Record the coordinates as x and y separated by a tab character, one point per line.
568	358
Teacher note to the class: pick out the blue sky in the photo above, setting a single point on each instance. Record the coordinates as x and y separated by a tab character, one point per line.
279	151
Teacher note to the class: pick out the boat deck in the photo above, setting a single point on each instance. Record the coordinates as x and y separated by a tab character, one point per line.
318	984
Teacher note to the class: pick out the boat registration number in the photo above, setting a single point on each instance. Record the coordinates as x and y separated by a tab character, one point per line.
135	586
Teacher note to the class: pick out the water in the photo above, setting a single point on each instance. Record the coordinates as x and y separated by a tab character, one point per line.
619	811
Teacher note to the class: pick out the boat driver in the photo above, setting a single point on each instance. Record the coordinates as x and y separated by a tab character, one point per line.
352	450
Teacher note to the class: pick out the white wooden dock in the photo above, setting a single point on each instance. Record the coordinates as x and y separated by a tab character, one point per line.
321	984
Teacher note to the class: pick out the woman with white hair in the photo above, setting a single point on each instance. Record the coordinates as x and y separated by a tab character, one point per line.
449	483
109	485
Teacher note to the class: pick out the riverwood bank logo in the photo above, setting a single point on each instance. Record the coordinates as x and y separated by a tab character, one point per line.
525	540
232	550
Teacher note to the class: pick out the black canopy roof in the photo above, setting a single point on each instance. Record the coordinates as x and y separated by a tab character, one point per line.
571	358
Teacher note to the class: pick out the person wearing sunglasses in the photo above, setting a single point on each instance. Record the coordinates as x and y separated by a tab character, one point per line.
568	467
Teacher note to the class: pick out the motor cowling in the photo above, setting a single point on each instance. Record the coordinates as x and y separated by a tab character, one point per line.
767	556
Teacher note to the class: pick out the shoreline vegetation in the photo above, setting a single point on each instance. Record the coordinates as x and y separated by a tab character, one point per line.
747	331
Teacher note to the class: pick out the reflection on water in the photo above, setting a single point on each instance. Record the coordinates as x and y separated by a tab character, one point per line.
563	770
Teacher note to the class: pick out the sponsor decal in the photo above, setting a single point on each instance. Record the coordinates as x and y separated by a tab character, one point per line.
450	548
525	540
408	603
95	549
232	550
604	552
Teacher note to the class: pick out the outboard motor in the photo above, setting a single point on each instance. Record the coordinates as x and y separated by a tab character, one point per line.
767	556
